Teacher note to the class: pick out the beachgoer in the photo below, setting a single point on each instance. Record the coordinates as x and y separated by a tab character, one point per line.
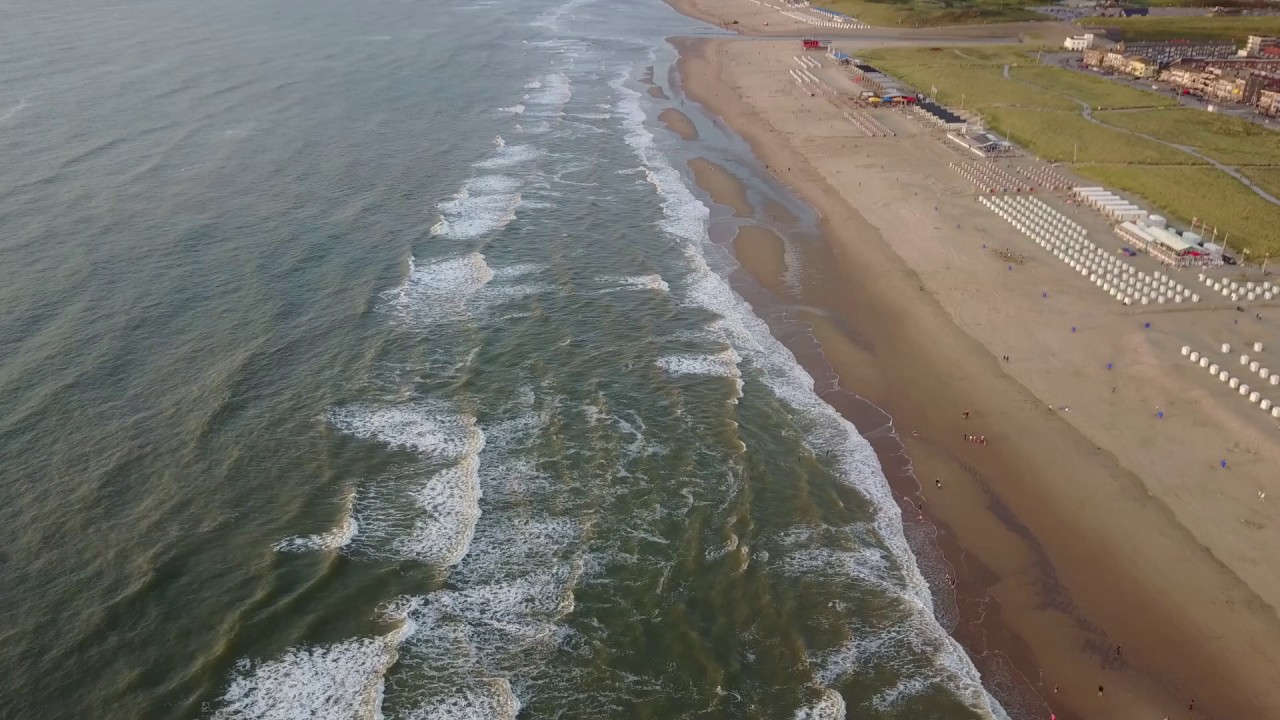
1055	689
1191	705
965	414
938	482
1099	691
1117	651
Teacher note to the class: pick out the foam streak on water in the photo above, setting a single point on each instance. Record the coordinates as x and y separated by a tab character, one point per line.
340	681
435	516
686	219
337	538
482	206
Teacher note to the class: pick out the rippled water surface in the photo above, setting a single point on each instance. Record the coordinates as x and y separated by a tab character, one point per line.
374	357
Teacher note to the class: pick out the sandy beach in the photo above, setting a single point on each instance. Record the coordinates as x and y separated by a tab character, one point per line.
1095	539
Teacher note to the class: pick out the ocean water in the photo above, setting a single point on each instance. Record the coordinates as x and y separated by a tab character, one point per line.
375	359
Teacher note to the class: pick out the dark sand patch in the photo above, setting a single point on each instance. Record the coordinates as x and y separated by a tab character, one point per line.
679	123
762	254
724	188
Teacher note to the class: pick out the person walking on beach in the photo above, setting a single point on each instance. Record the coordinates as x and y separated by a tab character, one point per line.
1099	691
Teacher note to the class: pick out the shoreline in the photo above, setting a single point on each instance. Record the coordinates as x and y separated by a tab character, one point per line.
1049	593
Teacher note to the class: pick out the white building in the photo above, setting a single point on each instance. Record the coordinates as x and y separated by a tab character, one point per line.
1079	43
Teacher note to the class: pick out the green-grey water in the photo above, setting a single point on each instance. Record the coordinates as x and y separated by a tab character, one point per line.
373	358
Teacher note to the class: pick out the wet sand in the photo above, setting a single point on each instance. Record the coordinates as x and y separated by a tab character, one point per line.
1060	549
762	253
724	188
657	92
678	123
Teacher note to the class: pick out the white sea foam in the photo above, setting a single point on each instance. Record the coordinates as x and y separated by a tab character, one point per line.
594	414
555	91
517	109
482	206
634	282
496	621
533	85
481	699
534	127
329	682
685	217
334	539
420	427
428	516
828	706
719	551
446	279
508	155
721	364
550	19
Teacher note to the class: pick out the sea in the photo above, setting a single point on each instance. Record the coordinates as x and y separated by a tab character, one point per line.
377	359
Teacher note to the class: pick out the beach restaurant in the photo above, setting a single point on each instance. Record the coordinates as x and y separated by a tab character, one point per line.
1165	245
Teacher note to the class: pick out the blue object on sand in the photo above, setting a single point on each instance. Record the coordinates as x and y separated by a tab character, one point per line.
1108	366
1147	325
1223	463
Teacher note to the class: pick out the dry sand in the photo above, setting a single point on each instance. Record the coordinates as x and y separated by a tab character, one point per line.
678	123
1073	532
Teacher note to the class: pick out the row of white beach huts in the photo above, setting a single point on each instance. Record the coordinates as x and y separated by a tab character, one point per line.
1235	383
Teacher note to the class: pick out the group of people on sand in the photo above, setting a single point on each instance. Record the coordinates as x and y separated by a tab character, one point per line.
975	439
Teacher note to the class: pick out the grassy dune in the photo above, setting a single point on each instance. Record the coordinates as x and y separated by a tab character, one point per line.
926	13
1193	27
1097	92
1066	136
1224	138
1036	107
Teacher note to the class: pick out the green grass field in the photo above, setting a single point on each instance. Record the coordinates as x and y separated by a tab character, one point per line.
1198	28
1200	192
1063	136
1267	178
992	55
972	76
1037	109
1096	91
1224	138
927	13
